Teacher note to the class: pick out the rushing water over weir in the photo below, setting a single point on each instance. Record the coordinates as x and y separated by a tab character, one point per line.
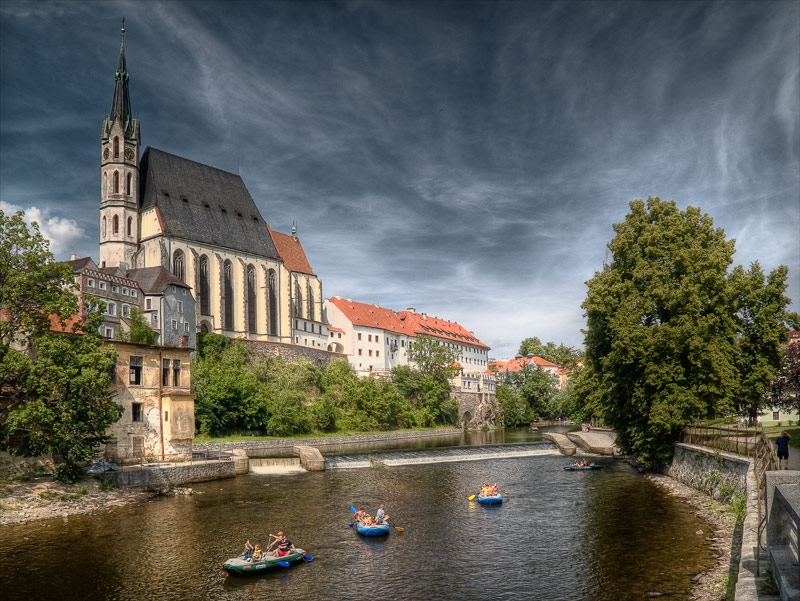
607	535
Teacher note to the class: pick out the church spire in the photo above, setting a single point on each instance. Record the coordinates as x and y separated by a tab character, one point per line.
121	101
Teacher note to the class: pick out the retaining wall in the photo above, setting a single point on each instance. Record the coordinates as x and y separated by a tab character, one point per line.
160	477
720	475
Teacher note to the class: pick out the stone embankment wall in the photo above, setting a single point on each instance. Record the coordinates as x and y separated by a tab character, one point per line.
290	352
476	409
160	477
720	475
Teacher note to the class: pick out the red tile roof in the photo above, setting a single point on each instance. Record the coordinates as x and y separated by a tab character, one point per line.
371	316
291	251
404	322
332	329
55	323
441	328
518	363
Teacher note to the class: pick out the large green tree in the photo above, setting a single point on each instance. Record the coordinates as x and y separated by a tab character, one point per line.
560	354
760	307
660	335
784	392
54	385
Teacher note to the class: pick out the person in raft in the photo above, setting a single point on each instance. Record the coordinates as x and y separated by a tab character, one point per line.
380	515
248	550
257	553
782	444
361	515
284	545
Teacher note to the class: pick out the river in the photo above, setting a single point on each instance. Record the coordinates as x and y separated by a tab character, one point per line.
604	535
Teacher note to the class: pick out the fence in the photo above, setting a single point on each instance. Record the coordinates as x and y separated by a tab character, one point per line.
173	459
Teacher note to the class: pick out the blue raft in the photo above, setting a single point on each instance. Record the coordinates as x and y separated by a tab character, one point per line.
494	500
579	468
373	529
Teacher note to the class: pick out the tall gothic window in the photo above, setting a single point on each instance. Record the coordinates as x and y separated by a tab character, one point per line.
103	228
178	265
310	303
273	302
105	184
116	182
298	301
116	147
251	298
205	287
130	226
228	289
115	225
128	184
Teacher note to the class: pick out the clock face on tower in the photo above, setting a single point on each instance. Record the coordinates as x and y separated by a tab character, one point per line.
106	152
129	154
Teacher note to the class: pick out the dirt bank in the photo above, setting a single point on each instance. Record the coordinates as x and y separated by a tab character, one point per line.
711	584
43	498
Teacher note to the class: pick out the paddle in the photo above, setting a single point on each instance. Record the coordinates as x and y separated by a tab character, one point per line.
353	509
399	528
284	564
471	497
308	558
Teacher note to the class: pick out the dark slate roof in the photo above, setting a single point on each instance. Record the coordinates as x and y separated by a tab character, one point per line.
154	280
203	204
80	264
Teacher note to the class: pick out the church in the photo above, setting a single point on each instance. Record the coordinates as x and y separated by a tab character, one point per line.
200	223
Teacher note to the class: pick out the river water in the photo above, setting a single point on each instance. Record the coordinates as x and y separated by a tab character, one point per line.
604	535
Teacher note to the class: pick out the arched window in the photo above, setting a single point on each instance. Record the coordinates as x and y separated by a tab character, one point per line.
105	184
116	182
272	291
310	303
103	228
128	184
251	298
178	265
116	147
204	327
115	225
130	226
298	301
205	287
228	291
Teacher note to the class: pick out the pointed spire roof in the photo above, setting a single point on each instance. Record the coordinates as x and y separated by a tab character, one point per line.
121	101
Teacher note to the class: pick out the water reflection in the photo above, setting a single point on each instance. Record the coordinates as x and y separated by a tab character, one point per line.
602	535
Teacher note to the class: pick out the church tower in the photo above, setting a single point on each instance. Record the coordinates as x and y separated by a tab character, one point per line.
119	166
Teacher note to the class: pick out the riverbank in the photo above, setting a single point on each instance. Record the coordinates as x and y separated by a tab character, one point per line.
714	583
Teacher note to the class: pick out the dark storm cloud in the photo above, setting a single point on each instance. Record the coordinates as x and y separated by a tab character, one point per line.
467	159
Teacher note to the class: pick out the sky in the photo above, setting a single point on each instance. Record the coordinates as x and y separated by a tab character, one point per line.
467	159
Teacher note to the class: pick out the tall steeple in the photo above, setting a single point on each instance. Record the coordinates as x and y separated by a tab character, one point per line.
119	169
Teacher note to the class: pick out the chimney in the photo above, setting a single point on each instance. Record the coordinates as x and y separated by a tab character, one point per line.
73	257
411	310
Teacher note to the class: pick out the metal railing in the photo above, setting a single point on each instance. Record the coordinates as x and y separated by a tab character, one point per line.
170	459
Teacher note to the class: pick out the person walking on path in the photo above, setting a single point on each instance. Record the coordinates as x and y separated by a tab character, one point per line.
782	444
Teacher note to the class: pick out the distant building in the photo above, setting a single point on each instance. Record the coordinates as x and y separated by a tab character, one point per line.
507	366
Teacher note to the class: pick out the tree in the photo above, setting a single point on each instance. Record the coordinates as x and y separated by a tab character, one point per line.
784	392
531	346
762	320
33	287
140	332
55	386
430	356
535	385
659	341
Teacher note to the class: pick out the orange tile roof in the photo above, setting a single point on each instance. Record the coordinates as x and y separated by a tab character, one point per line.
441	328
518	363
55	323
371	316
291	251
332	329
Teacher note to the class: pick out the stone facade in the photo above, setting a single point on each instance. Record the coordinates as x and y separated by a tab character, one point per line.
720	475
477	409
291	353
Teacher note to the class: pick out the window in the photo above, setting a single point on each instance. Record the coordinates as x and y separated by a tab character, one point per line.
148	303
133	293
359	335
359	352
376	338
185	326
174	324
272	310
205	287
124	291
90	283
128	192
101	285
135	370
180	306
116	147
111	308
178	263
136	408
103	228
369	337
155	318
116	186
776	415
108	332
227	288
126	310
377	353
251	298
370	352
166	416
165	372
115	289
130	225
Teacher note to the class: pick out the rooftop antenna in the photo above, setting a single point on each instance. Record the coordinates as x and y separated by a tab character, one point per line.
294	229
123	27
